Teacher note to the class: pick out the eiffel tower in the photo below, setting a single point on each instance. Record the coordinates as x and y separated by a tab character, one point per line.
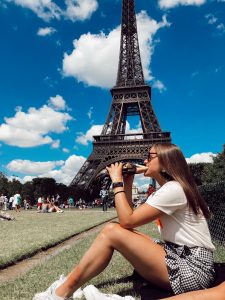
130	97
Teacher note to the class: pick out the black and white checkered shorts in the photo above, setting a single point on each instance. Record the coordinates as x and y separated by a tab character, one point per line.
189	268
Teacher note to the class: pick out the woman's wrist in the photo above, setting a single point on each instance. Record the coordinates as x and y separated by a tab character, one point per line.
117	184
117	189
118	192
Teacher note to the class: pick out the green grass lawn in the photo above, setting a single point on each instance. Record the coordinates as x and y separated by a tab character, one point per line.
112	280
33	231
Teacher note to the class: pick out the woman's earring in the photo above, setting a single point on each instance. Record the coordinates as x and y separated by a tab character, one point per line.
165	175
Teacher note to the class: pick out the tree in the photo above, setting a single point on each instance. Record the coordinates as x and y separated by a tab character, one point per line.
2	175
198	170
27	192
3	184
14	187
44	186
215	172
63	191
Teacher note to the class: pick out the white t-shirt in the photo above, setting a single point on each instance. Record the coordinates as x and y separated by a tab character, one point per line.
179	224
11	199
40	200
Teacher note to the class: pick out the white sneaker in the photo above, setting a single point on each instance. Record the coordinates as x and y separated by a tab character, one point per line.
48	294
92	293
78	294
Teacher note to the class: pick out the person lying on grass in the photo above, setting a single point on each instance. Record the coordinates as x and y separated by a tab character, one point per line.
182	261
48	207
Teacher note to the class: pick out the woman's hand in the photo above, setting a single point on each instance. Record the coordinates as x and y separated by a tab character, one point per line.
115	172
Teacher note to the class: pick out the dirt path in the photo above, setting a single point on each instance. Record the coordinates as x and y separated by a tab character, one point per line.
14	271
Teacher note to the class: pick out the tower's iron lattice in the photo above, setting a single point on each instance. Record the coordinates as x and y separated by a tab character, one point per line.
130	96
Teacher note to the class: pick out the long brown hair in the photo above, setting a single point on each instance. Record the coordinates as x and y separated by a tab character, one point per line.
175	167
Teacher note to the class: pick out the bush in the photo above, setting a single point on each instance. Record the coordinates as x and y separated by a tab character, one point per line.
214	195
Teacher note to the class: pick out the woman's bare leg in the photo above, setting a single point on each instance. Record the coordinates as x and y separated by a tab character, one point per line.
144	254
215	293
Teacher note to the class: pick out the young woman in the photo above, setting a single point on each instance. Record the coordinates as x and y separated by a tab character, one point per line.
182	261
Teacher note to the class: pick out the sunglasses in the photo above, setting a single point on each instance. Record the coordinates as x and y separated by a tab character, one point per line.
150	157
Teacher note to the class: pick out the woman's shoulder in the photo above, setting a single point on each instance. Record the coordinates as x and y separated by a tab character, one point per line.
174	188
172	185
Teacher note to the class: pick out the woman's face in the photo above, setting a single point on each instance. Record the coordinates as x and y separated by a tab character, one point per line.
152	162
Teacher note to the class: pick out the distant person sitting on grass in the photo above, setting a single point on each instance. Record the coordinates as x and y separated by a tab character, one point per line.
49	207
182	261
54	208
44	206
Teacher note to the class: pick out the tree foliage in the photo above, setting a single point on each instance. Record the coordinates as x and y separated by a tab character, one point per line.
198	171
3	184
44	187
216	172
205	173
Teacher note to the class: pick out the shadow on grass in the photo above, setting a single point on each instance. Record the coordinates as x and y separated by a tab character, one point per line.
140	287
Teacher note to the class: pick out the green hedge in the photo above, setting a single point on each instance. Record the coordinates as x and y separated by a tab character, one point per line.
214	195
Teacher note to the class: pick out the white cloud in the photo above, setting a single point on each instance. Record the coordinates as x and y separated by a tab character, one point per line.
20	137
219	26
85	138
142	182
55	144
201	158
66	150
31	167
32	128
76	10
27	178
159	85
136	129
62	171
84	65
90	112
57	102
80	9
194	74
45	31
88	136
165	4
44	9
211	18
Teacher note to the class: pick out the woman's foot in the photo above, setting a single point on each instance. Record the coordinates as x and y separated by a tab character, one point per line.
49	294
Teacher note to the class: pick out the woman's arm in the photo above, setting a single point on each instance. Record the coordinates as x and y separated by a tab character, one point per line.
128	217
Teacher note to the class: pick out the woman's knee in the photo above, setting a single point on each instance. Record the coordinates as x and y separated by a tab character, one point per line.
111	230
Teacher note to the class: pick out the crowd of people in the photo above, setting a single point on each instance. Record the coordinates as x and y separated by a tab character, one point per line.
44	204
13	202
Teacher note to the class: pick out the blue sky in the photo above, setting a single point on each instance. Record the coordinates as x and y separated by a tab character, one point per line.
58	61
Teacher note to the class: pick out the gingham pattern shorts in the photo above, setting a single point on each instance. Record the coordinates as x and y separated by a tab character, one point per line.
189	268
